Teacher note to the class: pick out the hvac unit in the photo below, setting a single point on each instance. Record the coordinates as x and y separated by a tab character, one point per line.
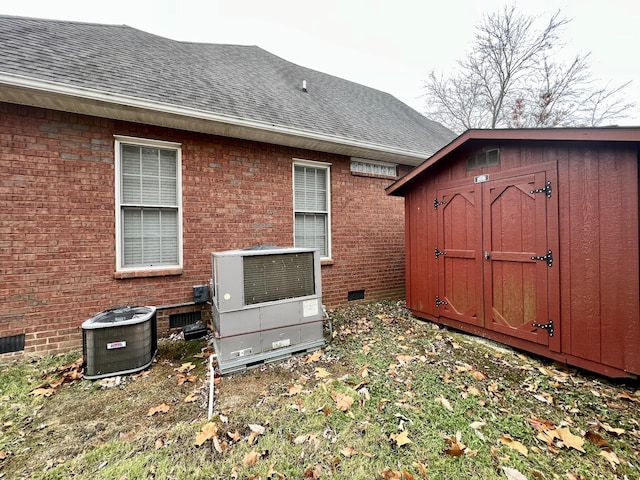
119	341
267	305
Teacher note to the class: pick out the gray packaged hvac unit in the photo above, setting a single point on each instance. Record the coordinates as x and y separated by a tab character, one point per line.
119	341
267	305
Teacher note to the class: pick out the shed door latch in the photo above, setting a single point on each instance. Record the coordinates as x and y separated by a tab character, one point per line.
546	189
439	252
547	258
545	326
440	302
436	203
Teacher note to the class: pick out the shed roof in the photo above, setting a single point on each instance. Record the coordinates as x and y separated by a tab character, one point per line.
593	134
246	92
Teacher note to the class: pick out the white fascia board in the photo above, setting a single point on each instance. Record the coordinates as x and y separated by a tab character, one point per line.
64	90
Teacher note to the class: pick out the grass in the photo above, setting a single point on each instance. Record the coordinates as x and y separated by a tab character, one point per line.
463	406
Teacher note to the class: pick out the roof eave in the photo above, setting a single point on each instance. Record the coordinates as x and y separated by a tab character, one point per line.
40	93
586	134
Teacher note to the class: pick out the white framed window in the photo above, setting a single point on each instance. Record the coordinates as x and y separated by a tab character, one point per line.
373	167
148	204
311	206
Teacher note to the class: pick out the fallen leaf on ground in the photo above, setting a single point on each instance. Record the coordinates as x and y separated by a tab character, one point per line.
250	459
322	373
191	398
611	457
314	357
163	408
445	403
513	474
209	431
42	392
596	439
185	367
514	444
569	439
389	474
456	447
294	390
343	402
610	429
401	438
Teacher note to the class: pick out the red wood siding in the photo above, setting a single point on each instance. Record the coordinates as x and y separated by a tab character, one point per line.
592	227
57	230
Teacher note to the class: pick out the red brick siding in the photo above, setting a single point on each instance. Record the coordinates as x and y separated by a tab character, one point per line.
57	226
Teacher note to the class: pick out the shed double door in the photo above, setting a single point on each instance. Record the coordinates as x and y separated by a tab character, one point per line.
494	266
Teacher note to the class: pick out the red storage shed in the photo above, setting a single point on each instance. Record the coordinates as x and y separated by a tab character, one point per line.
530	237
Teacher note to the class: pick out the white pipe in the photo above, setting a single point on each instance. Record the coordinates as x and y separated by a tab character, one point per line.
211	382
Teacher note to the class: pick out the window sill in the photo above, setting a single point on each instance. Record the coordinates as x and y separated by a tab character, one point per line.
326	261
164	272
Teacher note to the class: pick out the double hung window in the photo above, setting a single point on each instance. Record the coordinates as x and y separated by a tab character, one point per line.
148	206
311	200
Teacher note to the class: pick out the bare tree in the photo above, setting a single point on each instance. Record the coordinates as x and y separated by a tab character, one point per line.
513	78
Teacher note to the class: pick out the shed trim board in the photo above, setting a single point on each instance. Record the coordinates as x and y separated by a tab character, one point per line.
540	252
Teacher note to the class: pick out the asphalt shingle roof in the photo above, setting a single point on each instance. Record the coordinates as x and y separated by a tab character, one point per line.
244	82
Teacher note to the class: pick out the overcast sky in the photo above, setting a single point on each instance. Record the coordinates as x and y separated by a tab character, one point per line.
390	45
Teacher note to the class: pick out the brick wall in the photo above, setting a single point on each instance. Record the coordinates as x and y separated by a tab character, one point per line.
57	226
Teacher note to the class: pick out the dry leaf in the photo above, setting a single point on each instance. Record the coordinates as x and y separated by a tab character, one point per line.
611	457
163	408
513	474
182	378
343	402
209	431
348	452
294	390
388	474
3	455
322	373
191	398
456	447
185	367
445	403
569	439
626	396
42	392
596	439
478	375
541	425
366	349
364	371
477	425
159	443
317	355
401	438
610	429
514	444
422	468
404	358
250	459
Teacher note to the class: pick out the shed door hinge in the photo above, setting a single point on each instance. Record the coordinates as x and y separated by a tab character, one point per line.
547	258
439	252
545	326
440	302
546	189
436	203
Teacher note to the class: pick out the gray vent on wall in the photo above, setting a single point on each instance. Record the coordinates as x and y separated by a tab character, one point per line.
13	343
268	278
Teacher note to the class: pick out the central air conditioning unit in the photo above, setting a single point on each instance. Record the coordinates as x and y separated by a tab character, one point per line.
267	305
